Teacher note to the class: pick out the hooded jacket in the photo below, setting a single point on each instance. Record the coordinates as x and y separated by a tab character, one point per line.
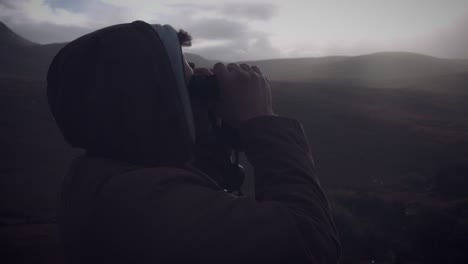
134	198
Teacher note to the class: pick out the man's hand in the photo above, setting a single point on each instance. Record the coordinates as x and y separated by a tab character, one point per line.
202	71
245	93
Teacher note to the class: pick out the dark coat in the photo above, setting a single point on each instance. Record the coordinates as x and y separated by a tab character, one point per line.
136	197
118	213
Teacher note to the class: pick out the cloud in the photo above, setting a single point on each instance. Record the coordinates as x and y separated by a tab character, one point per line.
221	30
86	14
70	5
190	6
254	11
449	42
225	29
228	40
37	11
218	29
224	32
240	49
234	10
51	21
7	4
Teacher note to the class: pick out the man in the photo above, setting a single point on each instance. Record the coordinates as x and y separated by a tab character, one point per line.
120	93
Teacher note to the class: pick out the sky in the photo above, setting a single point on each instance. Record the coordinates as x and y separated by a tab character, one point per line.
259	29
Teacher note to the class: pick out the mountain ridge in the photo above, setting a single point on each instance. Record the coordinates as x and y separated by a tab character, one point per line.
21	57
9	38
374	66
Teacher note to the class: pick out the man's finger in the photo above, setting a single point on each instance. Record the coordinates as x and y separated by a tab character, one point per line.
246	67
202	71
233	67
257	70
220	69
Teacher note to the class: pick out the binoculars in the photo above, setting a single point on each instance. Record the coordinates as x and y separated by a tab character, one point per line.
204	88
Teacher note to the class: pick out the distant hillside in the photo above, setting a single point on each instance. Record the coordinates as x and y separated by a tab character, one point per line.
23	58
199	61
378	66
362	135
11	39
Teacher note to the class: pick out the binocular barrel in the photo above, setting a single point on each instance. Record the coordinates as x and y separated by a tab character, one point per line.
204	88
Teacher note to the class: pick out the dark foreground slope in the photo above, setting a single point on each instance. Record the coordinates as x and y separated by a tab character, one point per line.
33	154
363	136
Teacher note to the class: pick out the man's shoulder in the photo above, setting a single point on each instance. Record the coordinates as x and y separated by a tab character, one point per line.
109	178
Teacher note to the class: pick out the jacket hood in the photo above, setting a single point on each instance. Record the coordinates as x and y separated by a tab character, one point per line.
120	92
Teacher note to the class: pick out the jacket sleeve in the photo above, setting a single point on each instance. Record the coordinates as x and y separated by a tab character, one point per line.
177	215
285	174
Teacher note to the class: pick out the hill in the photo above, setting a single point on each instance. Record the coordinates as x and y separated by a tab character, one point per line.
11	39
199	61
24	58
378	66
365	136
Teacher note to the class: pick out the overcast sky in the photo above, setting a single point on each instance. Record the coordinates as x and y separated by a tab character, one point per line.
259	29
